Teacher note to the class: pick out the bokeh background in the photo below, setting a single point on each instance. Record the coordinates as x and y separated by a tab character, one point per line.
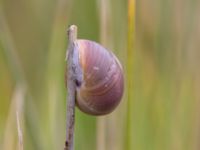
158	43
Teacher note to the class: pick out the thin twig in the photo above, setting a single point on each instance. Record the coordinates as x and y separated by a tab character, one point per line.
71	86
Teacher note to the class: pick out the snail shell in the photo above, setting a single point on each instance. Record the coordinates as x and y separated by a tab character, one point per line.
102	85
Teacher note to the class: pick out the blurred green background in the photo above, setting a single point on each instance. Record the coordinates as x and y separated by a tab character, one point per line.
158	44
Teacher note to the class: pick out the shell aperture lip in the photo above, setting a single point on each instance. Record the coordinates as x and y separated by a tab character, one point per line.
76	66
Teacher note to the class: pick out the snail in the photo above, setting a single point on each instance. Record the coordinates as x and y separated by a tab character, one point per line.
100	84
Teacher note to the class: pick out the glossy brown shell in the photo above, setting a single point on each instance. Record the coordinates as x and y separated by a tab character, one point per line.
102	87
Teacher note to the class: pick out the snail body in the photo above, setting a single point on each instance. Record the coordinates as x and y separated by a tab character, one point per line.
101	84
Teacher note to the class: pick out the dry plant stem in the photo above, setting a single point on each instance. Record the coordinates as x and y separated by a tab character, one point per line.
19	130
71	87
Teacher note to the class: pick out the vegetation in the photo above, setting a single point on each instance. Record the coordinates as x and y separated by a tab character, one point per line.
158	45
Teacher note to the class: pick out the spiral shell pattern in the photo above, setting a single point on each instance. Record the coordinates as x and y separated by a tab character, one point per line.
102	86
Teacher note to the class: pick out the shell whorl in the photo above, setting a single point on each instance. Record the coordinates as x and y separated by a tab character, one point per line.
102	87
